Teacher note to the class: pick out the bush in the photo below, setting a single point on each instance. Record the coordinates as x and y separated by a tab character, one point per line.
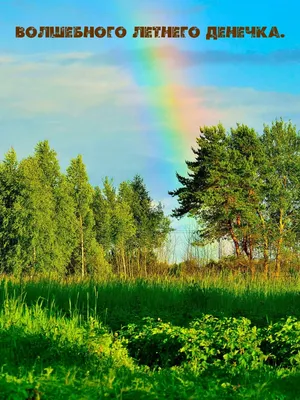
282	342
207	342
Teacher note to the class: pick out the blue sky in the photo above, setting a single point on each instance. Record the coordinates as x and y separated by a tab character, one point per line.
90	96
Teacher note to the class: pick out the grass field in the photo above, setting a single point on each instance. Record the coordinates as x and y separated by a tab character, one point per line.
214	337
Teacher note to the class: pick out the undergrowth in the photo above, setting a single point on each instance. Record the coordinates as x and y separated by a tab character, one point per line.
49	354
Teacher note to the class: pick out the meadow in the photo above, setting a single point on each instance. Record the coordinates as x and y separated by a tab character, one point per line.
210	336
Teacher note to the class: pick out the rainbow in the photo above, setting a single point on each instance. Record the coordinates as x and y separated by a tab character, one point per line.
174	111
172	106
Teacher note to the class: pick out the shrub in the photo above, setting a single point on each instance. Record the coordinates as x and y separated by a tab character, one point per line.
209	341
282	342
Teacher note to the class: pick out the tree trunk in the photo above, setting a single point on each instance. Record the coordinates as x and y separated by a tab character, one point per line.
250	247
279	245
266	245
82	247
245	246
123	261
145	262
235	240
252	265
138	259
266	255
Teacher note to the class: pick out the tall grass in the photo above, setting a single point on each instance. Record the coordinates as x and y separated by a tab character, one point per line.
56	339
118	302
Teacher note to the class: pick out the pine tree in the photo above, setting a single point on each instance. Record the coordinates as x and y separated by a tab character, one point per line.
208	192
152	226
103	205
64	219
38	217
10	222
246	187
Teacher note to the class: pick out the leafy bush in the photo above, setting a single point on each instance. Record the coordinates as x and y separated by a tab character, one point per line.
282	342
155	344
206	342
224	342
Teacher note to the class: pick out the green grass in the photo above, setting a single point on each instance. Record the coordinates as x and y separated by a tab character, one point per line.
63	340
179	301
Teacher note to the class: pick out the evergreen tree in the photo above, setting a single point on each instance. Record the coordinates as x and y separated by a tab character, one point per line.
208	192
88	255
103	207
248	188
64	219
152	226
38	217
10	224
102	216
245	187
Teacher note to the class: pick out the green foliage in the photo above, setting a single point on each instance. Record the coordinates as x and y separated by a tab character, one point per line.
155	344
11	226
102	215
128	226
63	206
37	202
282	342
66	225
82	194
38	214
245	187
99	267
52	352
207	342
59	224
31	337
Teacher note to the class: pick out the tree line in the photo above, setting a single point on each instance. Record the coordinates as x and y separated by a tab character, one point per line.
241	185
245	186
52	221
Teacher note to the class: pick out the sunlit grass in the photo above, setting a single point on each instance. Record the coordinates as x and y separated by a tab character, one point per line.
59	337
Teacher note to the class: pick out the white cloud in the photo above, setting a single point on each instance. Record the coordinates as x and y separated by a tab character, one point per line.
107	99
102	112
46	87
30	86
